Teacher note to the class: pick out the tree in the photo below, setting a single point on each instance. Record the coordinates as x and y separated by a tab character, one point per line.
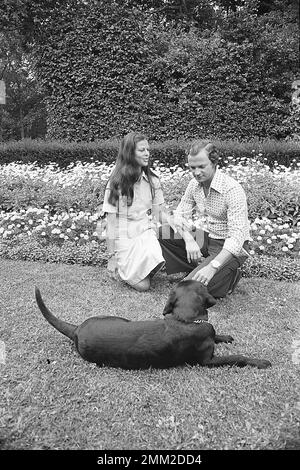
24	112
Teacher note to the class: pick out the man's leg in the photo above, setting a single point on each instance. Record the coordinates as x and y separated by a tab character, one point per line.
174	252
225	280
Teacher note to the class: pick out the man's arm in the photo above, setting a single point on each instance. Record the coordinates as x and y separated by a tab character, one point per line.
238	223
238	232
182	224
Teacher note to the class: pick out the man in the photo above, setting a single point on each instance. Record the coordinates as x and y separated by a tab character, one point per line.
213	253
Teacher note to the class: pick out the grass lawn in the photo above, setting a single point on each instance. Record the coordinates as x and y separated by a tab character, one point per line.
51	399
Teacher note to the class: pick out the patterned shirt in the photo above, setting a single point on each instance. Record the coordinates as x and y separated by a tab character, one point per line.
223	213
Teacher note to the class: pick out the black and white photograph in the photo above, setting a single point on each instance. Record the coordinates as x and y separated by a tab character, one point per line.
149	232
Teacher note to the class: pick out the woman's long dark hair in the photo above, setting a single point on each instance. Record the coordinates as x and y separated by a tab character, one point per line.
127	171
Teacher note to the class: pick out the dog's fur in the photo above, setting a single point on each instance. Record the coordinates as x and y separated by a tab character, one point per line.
183	337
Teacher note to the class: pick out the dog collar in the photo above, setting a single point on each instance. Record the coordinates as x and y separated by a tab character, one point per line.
200	321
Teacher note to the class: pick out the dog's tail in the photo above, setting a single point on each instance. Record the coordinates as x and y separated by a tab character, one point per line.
65	328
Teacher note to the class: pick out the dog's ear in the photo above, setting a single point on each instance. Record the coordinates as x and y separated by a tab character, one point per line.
170	302
210	300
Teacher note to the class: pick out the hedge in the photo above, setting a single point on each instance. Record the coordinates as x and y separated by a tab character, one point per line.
168	153
105	66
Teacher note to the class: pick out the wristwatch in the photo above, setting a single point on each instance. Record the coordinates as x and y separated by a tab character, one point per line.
215	264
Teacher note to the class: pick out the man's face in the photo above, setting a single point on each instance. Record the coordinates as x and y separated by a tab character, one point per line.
202	168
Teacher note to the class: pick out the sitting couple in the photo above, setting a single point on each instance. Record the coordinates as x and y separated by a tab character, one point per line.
211	253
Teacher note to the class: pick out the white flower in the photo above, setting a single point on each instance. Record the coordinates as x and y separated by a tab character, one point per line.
290	246
285	248
262	232
259	238
261	247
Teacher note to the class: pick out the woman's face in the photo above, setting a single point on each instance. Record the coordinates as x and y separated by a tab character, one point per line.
142	153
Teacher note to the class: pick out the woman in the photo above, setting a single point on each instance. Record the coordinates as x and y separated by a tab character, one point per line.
132	194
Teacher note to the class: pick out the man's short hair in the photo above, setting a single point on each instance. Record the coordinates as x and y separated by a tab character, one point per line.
209	147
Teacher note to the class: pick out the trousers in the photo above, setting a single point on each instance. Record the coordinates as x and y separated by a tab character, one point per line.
175	255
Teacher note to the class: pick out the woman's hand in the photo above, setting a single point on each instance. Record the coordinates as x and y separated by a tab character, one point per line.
192	250
112	267
101	229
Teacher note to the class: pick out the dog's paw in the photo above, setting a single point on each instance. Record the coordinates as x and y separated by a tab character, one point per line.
223	339
228	339
261	363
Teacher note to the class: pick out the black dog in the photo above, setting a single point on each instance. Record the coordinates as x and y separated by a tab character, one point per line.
183	337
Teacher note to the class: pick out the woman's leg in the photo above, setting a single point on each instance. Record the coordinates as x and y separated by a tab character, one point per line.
143	285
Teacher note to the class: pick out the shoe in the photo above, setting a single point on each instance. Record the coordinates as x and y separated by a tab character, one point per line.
235	281
176	277
157	268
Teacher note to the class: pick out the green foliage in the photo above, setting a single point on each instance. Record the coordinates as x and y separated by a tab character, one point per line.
56	205
32	249
273	198
270	267
167	153
108	67
23	115
229	87
62	153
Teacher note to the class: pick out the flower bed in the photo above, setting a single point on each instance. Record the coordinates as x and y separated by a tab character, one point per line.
54	209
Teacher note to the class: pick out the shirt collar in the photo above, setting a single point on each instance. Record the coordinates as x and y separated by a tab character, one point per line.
217	182
143	176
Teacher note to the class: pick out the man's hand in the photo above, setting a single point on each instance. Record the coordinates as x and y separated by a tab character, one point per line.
205	274
192	250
